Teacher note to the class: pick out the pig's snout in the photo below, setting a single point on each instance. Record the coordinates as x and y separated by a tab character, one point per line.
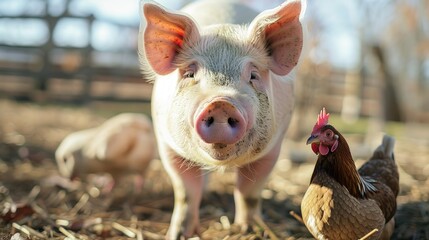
220	122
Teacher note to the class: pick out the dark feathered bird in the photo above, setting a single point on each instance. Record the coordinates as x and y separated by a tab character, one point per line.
343	202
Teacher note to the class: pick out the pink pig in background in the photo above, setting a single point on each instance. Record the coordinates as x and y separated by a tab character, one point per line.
223	97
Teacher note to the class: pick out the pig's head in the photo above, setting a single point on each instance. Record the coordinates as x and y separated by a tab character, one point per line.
220	80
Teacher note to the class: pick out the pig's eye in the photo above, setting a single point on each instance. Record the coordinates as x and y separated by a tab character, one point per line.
189	74
254	79
254	75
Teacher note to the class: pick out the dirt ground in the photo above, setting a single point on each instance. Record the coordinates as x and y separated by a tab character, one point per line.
34	203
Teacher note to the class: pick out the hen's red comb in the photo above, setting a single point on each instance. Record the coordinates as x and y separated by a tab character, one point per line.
322	120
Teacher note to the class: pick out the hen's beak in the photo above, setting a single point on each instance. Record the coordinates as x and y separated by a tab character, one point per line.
312	139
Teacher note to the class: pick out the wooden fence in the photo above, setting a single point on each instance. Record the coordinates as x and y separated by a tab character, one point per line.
55	73
51	73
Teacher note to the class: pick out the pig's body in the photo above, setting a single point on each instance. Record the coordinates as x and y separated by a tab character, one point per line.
123	144
222	98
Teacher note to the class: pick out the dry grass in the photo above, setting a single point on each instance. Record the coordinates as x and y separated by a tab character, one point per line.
35	204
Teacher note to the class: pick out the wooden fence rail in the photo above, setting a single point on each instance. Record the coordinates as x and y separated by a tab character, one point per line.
56	73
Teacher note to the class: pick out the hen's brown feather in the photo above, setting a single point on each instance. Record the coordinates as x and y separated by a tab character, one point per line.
330	212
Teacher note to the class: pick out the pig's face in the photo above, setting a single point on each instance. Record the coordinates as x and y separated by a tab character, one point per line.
221	105
223	86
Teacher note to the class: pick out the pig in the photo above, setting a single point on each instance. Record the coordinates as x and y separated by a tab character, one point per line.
222	97
123	144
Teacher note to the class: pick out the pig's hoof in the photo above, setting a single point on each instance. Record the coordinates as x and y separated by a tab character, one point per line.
242	228
246	228
173	236
182	235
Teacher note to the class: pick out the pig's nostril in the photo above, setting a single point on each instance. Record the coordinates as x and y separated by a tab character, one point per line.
232	122
209	121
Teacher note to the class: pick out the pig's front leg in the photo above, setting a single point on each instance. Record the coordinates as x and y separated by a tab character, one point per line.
251	179
187	183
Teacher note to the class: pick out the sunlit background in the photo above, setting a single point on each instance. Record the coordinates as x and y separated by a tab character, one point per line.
68	65
47	46
338	24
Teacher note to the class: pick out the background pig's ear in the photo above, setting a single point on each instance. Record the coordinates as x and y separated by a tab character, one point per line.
281	31
164	35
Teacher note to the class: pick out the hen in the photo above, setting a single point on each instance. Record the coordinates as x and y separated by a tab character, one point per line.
121	145
342	202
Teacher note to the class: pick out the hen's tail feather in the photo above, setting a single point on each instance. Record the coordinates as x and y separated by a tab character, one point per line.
385	150
382	166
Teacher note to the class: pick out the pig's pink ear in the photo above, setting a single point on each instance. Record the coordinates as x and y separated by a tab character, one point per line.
281	31
164	35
